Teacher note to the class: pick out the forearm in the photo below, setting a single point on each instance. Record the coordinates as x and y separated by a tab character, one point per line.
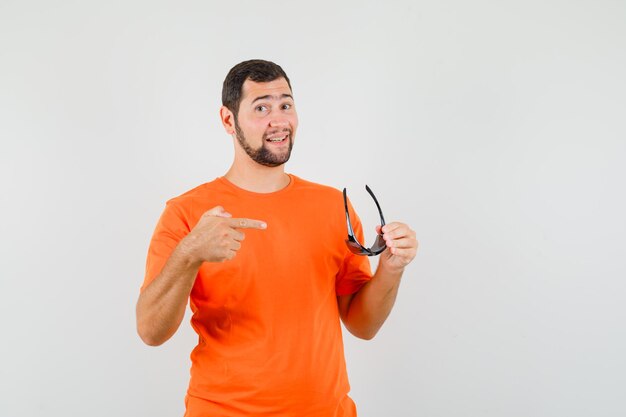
161	305
371	305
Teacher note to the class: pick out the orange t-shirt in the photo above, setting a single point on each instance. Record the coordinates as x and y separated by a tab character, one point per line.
270	340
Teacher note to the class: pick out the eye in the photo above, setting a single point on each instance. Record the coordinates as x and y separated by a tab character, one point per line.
287	106
261	108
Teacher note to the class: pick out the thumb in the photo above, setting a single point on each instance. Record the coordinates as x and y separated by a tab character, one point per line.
218	211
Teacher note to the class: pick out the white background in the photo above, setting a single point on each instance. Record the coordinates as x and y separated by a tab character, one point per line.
495	129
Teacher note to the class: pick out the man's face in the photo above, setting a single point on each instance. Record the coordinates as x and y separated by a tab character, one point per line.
267	121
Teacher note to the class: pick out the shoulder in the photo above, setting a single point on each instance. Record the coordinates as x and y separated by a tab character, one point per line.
202	191
320	190
192	203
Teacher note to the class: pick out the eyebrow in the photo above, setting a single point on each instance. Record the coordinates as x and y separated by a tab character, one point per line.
265	97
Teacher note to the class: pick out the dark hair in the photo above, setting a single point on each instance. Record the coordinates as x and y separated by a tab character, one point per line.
256	70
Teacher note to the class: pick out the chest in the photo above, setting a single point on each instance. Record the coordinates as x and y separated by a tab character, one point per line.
295	260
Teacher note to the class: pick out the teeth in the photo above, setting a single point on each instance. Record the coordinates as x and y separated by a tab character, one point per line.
280	139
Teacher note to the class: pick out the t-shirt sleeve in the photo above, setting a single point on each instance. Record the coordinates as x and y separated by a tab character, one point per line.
170	230
355	270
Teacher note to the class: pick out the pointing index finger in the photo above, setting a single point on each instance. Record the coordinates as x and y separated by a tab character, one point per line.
242	223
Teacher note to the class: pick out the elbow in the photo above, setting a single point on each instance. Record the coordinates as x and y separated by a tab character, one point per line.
360	327
150	340
363	333
147	327
366	335
149	336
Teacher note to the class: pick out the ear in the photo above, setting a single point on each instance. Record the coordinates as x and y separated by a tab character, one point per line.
228	120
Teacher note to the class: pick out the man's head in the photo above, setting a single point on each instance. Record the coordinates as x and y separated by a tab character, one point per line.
256	70
258	109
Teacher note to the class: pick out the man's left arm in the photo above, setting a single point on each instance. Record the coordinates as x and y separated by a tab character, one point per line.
364	312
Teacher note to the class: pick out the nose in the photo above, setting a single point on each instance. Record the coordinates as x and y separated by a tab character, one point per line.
279	122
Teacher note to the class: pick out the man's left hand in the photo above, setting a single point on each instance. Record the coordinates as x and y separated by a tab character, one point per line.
401	245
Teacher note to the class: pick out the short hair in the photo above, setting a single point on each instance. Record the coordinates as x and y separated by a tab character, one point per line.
257	70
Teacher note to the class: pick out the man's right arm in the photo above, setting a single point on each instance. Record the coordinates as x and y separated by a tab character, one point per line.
161	305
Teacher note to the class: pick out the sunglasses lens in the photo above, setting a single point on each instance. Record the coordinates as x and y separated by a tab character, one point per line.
355	247
379	245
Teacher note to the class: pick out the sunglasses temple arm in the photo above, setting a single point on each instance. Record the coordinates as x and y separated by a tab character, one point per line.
380	212
349	223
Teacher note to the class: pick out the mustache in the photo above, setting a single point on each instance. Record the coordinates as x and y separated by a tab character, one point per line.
274	132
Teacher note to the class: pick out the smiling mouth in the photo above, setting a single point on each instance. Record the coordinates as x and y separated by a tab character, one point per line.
277	139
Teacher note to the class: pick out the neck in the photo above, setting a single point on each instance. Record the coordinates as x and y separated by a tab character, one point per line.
258	178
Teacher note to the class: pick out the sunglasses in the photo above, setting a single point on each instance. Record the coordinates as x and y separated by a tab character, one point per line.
353	243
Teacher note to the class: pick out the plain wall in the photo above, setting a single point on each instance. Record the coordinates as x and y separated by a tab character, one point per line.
495	129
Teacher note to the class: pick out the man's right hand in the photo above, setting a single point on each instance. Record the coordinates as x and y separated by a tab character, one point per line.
216	237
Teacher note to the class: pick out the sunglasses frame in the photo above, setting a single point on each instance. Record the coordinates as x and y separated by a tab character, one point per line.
353	243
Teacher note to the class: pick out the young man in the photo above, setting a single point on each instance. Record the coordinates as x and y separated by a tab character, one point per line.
261	256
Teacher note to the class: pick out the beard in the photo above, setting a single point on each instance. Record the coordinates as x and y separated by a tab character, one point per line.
264	155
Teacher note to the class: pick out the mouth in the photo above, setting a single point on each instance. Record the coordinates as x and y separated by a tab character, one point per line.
277	138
